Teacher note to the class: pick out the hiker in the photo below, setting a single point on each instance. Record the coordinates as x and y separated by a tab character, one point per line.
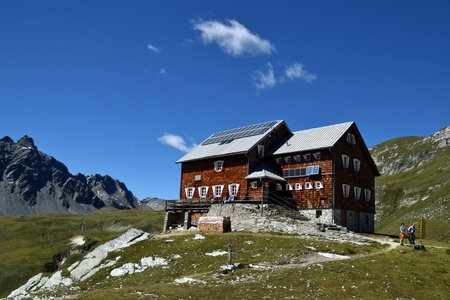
402	233
412	236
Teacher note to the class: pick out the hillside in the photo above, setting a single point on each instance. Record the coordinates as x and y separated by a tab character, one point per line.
415	182
32	182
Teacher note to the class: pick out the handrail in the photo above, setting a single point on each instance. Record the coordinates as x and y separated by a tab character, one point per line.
281	201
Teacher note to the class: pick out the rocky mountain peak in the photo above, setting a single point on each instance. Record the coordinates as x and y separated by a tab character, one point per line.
441	137
27	142
33	182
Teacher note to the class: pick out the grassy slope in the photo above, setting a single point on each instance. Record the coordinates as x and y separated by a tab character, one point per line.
428	183
372	273
27	244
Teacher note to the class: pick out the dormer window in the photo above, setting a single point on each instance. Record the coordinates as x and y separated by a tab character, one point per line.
345	161
278	160
307	157
288	159
261	150
316	155
218	165
297	158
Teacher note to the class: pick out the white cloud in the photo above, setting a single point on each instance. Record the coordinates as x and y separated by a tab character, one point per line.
154	48
234	38
162	72
297	71
265	80
175	141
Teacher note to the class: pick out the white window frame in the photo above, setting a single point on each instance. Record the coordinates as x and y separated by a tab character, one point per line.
367	194
189	192
289	187
215	190
233	189
357	191
279	187
218	165
356	164
318	185
261	150
316	155
298	186
254	184
308	185
200	191
345	190
345	161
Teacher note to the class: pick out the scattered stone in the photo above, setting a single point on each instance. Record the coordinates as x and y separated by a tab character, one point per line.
217	253
198	237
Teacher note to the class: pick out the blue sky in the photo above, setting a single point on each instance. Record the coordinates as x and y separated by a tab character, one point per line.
123	88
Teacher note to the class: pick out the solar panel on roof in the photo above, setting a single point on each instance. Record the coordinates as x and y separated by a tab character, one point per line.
238	133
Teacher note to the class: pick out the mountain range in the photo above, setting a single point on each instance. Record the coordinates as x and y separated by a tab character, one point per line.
32	182
414	183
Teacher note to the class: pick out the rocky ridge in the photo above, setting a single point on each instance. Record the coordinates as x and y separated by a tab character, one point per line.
32	182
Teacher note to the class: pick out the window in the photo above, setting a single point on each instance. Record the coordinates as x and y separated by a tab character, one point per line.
316	155
203	191
261	150
351	138
308	185
218	190
356	164
307	157
345	190
288	187
301	172
254	184
198	178
345	161
298	186
234	189
278	160
189	192
297	158
279	187
357	191
319	185
218	165
367	194
288	159
312	170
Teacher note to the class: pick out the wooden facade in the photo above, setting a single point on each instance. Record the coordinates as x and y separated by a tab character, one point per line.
318	180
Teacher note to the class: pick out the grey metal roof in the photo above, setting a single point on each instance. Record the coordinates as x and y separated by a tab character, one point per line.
264	174
315	138
239	145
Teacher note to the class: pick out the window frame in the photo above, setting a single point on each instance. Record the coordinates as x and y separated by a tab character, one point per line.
345	190
215	190
308	185
298	186
357	192
367	195
356	164
218	165
230	189
345	161
318	184
189	189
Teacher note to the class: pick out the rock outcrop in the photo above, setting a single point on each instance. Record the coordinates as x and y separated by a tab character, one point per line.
32	182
